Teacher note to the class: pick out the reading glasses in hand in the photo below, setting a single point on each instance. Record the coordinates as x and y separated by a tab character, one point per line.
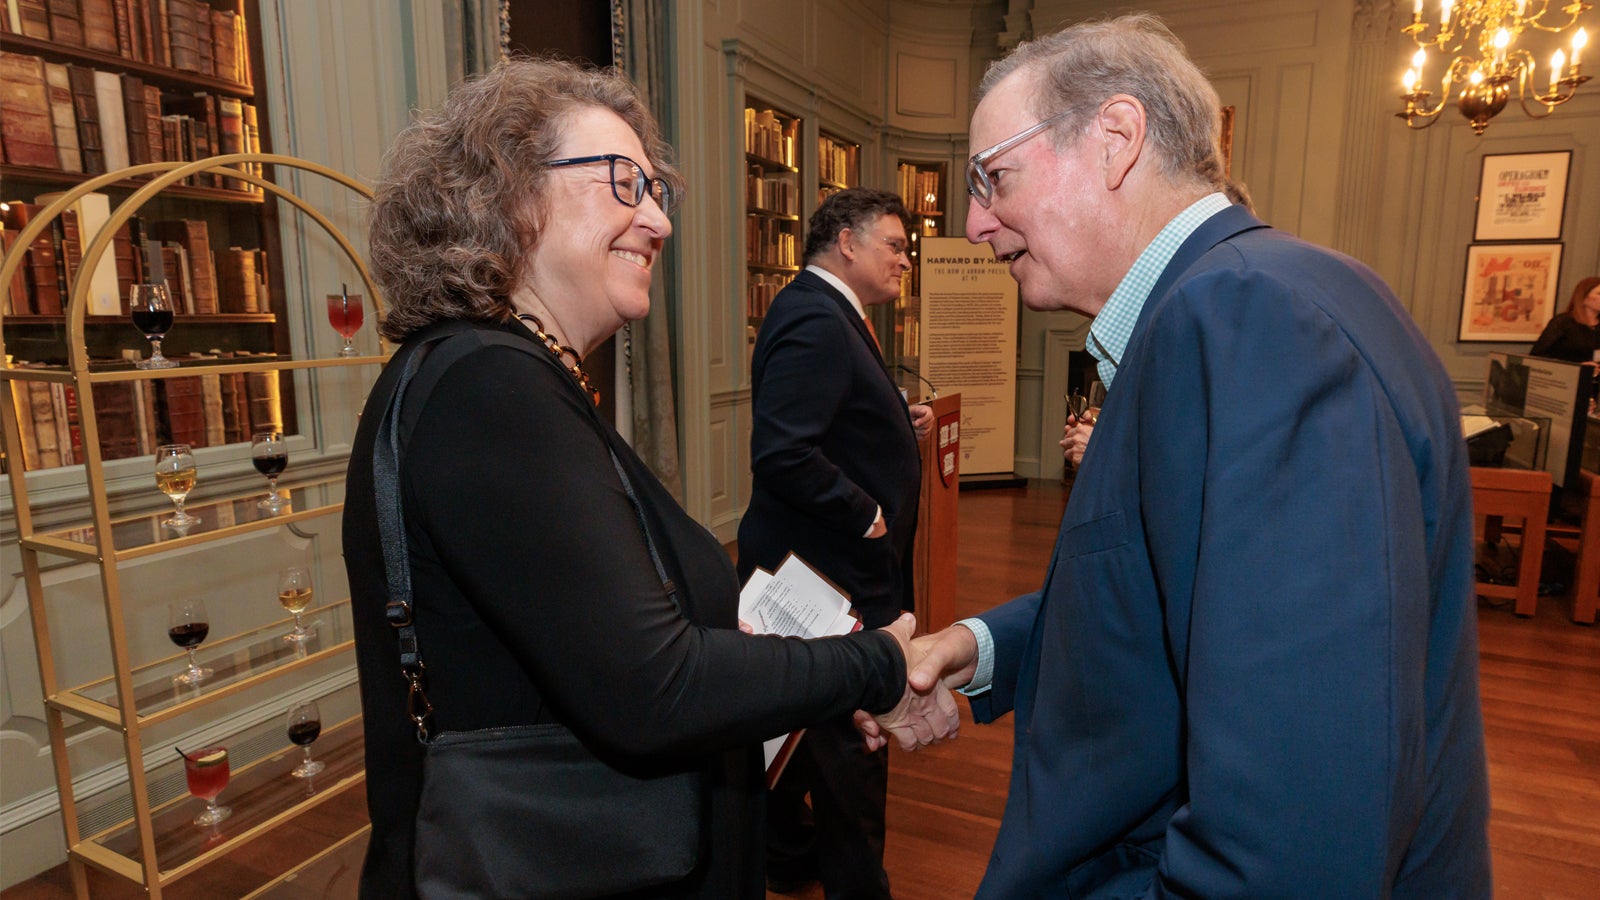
979	184
628	182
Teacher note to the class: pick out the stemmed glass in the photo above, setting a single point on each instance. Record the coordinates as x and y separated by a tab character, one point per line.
294	592
175	476
345	315
188	623
304	725
207	773
151	310
270	454
1096	399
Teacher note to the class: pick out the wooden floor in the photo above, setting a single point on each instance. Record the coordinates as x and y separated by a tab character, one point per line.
1541	701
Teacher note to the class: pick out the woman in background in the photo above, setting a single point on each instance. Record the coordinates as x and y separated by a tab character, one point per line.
1575	334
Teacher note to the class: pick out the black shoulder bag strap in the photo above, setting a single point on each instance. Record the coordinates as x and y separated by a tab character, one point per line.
391	518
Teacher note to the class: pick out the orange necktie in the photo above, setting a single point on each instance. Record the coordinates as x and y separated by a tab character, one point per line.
874	332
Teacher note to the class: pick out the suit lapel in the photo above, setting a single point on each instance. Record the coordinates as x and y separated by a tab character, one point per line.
811	280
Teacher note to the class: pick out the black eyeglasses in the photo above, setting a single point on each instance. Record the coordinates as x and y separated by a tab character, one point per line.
979	183
628	182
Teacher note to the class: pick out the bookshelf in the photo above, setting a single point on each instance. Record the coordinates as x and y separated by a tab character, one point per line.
92	86
838	165
923	187
153	843
773	228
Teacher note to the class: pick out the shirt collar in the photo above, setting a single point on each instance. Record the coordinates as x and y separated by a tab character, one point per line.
844	289
1111	329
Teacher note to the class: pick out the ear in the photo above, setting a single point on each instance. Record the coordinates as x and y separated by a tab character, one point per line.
847	243
1120	124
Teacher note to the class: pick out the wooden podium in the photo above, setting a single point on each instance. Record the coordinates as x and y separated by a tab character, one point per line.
934	552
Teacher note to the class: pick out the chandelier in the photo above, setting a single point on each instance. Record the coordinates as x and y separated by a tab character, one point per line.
1482	83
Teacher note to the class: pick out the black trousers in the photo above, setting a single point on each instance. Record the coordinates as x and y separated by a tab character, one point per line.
841	840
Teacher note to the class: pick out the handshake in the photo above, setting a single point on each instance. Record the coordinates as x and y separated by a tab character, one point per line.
927	714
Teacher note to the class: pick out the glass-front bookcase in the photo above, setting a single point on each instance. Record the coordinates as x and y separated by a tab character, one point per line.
772	207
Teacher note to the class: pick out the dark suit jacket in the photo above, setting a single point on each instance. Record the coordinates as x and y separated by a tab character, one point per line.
830	441
1252	669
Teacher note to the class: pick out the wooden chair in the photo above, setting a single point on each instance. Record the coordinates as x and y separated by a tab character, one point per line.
1497	493
1586	569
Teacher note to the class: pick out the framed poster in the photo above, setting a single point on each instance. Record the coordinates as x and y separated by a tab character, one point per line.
1522	196
1510	291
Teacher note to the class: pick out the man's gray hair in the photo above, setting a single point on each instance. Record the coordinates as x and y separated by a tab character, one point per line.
1081	66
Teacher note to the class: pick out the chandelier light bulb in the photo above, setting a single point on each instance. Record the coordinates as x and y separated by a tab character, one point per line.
1419	59
1416	10
1410	80
1476	77
1556	60
1522	7
1444	14
1580	39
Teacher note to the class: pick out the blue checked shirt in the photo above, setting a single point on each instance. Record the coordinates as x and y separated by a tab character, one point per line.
1108	339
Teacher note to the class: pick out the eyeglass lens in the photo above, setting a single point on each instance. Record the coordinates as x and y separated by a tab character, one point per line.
631	186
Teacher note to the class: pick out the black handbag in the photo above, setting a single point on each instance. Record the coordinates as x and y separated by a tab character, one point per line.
525	811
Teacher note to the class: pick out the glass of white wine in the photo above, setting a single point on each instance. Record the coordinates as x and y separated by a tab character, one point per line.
175	476
294	592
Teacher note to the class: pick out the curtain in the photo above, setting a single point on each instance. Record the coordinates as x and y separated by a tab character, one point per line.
644	351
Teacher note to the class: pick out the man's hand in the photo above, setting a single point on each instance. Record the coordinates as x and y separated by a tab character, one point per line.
928	713
920	718
879	526
1075	439
921	419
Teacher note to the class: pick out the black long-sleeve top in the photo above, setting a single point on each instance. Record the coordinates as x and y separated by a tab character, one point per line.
537	601
1568	339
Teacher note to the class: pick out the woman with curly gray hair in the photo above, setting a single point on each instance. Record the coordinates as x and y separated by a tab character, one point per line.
546	577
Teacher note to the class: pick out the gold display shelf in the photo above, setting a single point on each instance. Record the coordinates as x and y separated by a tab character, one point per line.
771	268
143	535
262	794
771	214
239	662
185	368
343	857
38	320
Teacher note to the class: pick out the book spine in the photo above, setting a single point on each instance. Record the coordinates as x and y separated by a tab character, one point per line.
63	119
136	120
26	124
66	22
99	25
85	105
266	409
42	410
113	128
35	18
211	407
185	417
152	125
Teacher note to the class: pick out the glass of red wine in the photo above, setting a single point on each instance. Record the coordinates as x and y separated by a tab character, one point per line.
345	315
151	310
206	770
304	725
188	623
269	452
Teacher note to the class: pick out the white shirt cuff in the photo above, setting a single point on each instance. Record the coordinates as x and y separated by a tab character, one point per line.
983	678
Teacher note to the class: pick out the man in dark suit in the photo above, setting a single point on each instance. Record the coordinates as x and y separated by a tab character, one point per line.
1252	667
833	452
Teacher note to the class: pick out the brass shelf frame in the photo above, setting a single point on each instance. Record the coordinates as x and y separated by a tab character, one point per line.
125	716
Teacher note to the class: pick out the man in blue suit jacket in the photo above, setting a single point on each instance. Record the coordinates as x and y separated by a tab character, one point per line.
833	452
1252	667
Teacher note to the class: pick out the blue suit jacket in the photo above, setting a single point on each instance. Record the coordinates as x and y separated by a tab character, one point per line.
1252	669
830	441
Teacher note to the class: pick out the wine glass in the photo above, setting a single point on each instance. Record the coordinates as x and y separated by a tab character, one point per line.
207	773
304	725
188	623
1092	404
294	592
270	454
175	476
345	315
151	310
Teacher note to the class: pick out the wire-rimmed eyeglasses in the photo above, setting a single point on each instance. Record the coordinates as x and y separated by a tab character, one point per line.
978	183
628	182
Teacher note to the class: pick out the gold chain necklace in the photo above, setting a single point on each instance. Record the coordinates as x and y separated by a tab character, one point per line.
563	353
